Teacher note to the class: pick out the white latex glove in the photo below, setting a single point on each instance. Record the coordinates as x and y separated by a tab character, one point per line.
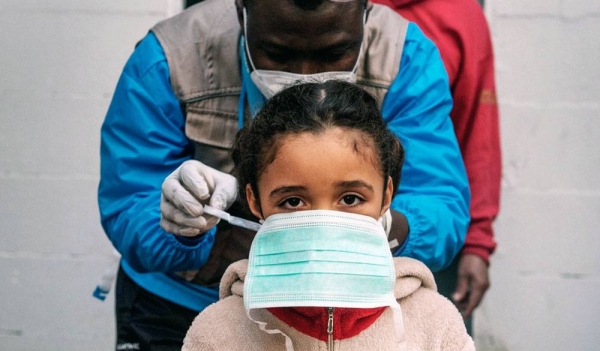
186	190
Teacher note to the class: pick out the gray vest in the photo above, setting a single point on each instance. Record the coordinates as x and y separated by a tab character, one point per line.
201	46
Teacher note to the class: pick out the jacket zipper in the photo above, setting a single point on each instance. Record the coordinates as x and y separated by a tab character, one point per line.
330	329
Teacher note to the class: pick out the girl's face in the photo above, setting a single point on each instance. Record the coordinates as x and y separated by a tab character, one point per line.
322	172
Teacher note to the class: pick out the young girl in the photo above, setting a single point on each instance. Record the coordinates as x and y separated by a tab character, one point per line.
319	166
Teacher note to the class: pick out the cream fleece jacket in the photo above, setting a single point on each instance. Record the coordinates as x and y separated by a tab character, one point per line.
431	322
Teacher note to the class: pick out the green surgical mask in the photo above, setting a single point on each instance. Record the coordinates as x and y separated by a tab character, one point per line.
321	258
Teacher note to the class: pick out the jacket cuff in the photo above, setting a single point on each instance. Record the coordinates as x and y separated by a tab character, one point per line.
480	240
477	251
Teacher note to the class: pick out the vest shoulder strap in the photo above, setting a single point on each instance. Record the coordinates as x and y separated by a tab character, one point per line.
201	46
379	64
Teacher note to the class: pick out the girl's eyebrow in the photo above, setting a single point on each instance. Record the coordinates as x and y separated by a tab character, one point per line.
354	184
282	190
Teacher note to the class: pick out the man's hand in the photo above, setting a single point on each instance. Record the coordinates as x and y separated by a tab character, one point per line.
186	190
473	282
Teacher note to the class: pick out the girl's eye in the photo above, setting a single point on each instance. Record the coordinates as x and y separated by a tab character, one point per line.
351	200
291	202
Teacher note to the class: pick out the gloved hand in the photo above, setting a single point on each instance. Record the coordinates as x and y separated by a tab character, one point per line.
186	190
472	283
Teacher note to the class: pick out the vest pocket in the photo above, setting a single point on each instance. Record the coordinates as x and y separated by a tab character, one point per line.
212	133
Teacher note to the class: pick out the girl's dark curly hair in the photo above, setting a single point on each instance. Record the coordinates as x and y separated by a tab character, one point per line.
314	107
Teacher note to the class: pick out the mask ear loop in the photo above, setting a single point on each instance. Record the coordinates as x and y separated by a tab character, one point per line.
355	69
289	346
246	46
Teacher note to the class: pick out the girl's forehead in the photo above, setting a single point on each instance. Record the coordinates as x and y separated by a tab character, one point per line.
360	143
340	134
324	159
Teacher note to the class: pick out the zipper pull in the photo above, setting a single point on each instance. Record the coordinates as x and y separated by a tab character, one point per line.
330	329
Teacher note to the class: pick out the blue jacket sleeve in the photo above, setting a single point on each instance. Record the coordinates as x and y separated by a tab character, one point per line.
142	142
434	191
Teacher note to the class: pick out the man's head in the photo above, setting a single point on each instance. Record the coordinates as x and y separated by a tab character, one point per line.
303	36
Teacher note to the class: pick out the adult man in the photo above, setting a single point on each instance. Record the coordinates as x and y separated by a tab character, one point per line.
183	94
460	31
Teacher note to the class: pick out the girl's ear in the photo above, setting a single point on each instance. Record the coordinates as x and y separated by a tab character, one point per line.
253	202
387	196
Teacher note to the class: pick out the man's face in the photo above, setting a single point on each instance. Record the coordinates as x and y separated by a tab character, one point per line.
284	37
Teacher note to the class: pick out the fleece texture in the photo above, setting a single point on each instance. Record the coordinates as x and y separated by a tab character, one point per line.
431	322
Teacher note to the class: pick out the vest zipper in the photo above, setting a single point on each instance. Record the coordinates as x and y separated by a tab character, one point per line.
211	96
330	329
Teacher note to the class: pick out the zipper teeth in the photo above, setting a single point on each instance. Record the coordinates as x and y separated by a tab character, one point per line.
330	329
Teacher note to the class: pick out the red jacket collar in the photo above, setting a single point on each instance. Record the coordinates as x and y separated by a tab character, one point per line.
312	321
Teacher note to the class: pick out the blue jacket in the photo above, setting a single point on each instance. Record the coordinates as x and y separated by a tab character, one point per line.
143	141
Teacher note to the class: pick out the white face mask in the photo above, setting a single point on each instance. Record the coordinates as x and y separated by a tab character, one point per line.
271	82
321	258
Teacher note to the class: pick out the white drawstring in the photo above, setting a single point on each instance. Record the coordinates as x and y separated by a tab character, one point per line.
399	324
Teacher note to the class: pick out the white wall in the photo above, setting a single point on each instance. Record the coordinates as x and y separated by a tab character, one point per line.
60	61
546	272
